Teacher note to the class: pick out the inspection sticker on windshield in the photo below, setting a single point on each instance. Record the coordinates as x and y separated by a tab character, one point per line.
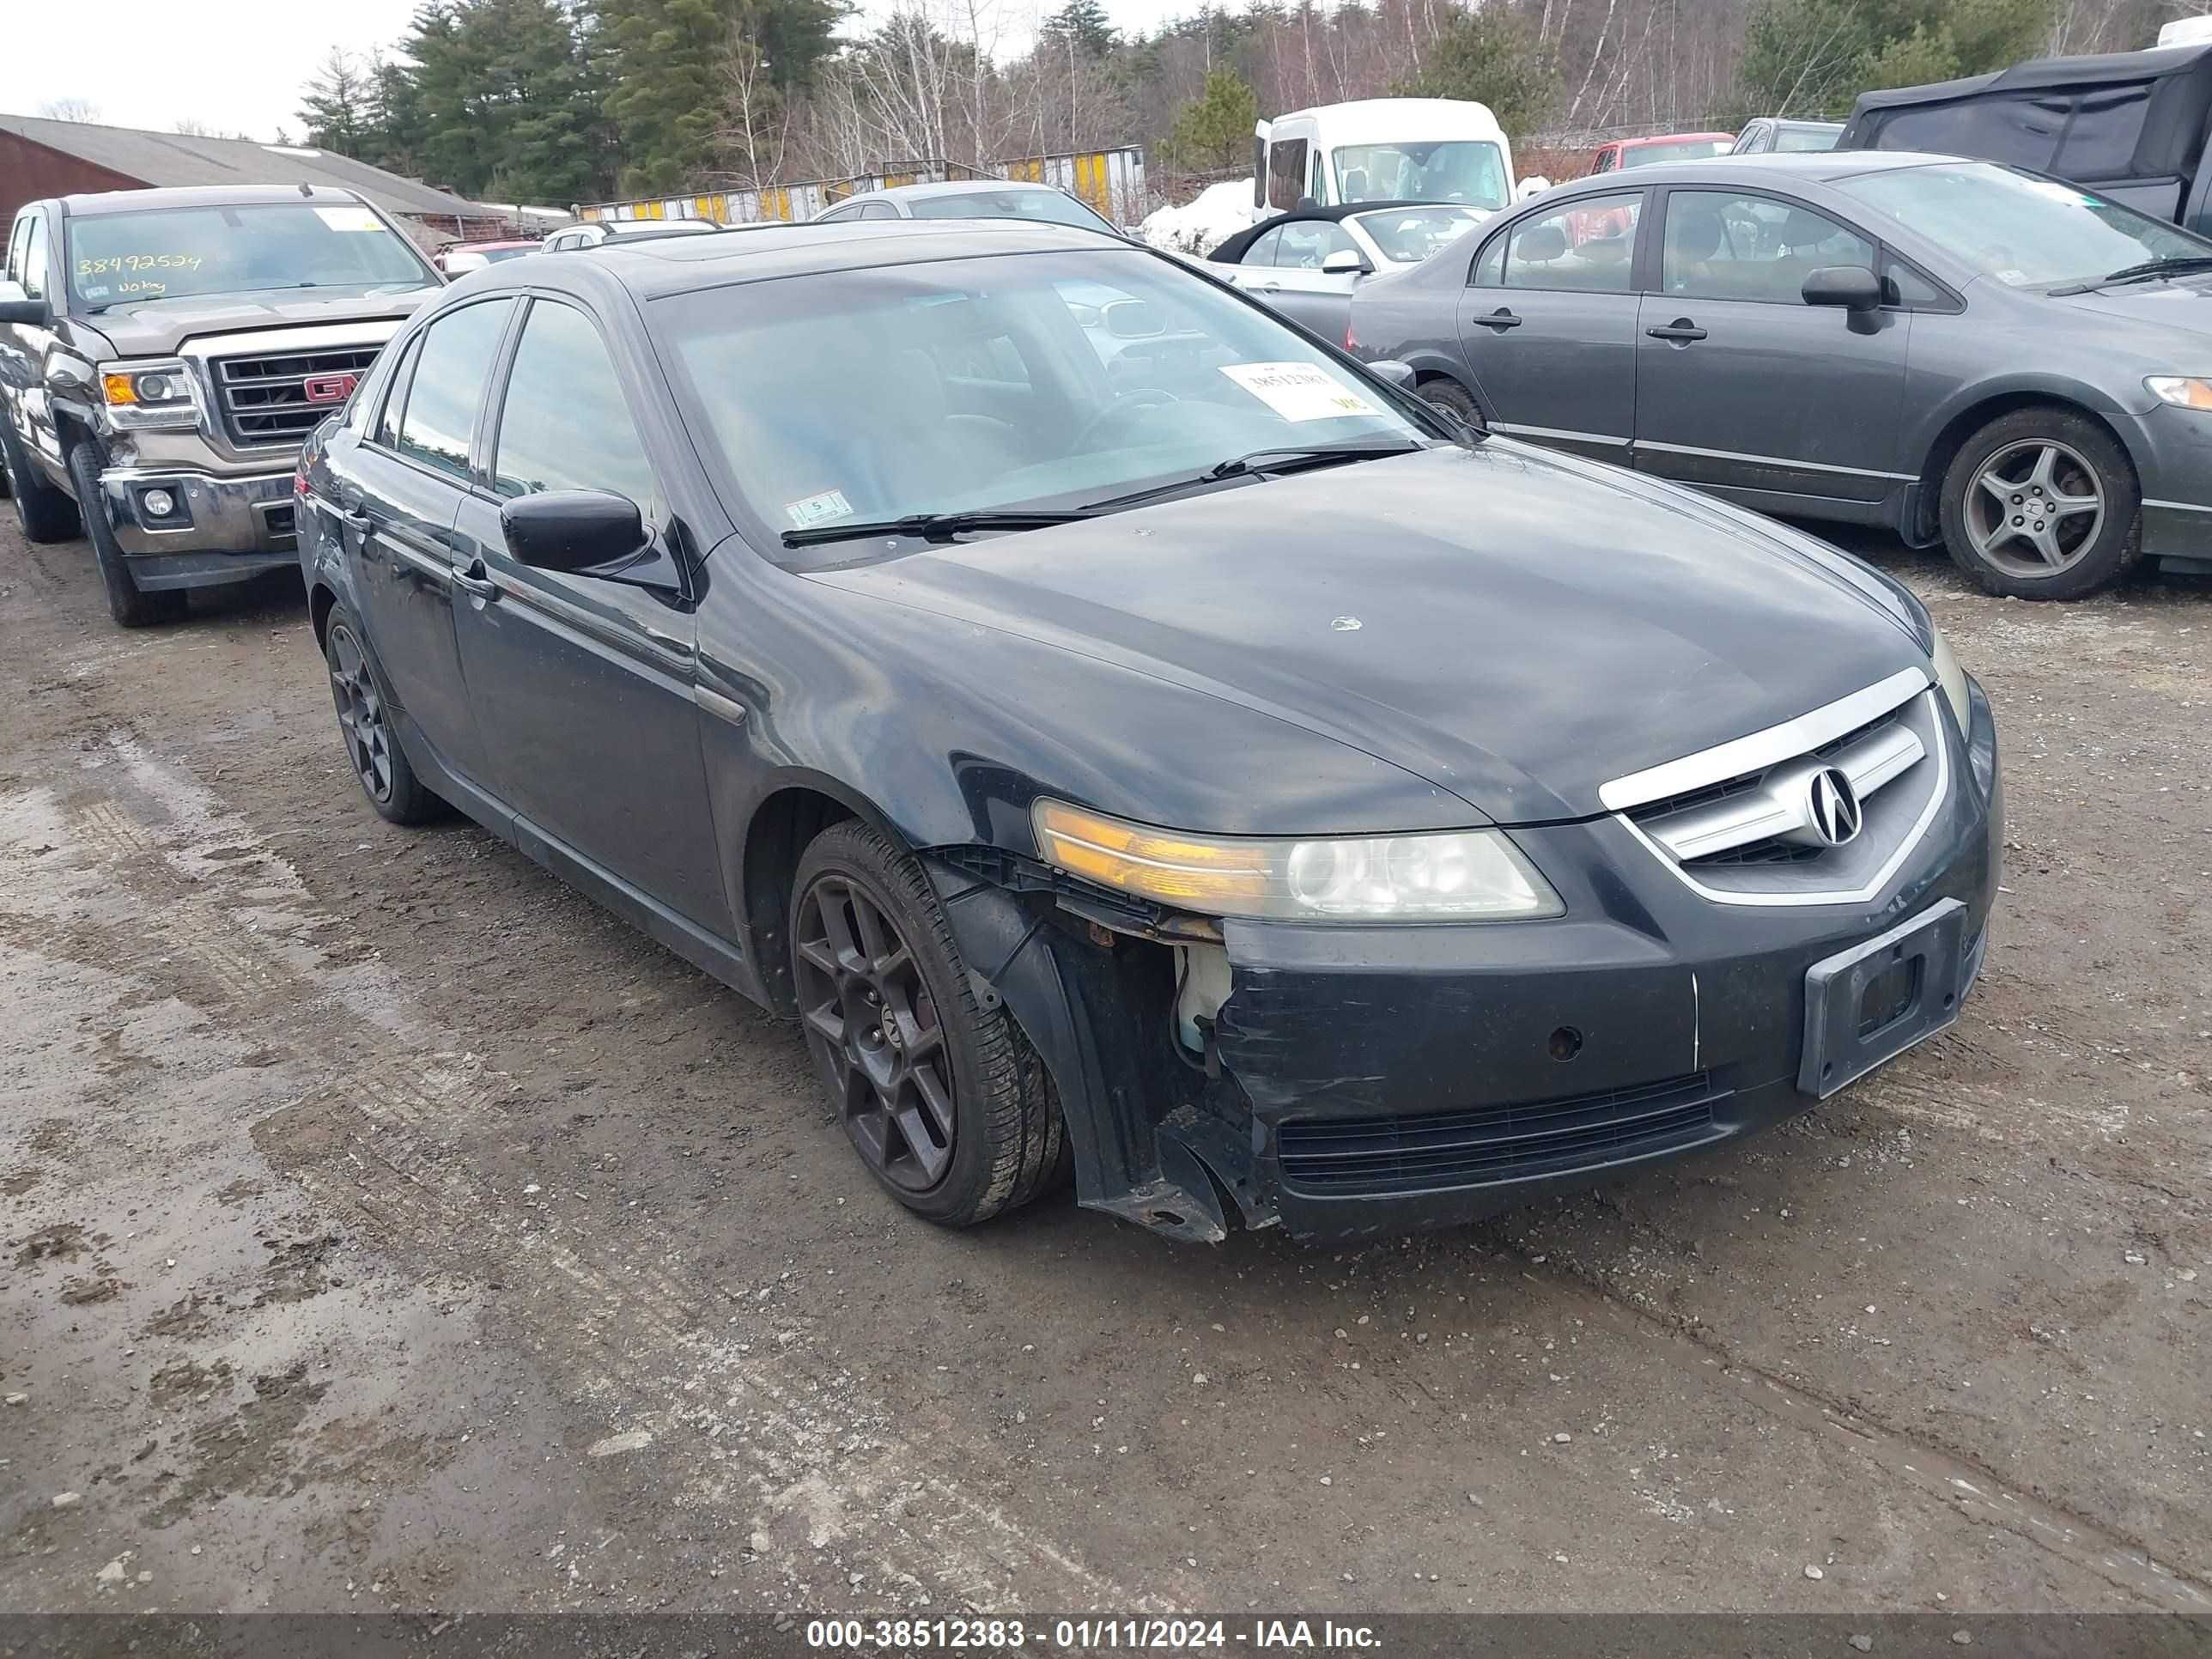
1298	392
830	505
349	218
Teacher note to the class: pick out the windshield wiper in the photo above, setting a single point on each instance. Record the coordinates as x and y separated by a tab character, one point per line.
1282	457
2173	264
931	526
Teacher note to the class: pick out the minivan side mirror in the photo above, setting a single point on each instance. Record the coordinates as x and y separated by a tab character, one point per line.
582	533
1346	259
1854	287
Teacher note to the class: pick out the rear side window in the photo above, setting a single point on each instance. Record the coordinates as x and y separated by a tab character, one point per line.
1262	252
565	424
450	374
1588	247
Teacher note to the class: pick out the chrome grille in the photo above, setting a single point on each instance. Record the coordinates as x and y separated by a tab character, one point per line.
264	401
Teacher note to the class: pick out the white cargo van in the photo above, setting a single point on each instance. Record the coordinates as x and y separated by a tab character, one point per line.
1381	150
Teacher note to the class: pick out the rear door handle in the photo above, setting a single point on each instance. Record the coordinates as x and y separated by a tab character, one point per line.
1681	332
1500	320
472	580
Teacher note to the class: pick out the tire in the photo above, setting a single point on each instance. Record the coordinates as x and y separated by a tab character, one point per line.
2042	504
868	939
363	703
129	604
44	513
1450	397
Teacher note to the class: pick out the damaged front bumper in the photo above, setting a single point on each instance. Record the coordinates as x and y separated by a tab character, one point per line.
1361	1080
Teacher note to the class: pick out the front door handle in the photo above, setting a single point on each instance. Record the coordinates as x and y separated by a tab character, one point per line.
1681	332
474	580
1499	320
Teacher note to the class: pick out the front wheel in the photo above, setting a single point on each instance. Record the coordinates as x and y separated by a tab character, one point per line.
129	604
2042	504
945	1100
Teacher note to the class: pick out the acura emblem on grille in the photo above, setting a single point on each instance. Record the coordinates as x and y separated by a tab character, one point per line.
327	388
1833	805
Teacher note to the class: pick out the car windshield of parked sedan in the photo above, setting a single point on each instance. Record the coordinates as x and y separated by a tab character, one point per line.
1408	235
1051	207
170	254
2025	232
1683	149
1468	170
1053	380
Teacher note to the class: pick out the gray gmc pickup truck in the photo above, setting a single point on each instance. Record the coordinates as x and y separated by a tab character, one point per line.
163	353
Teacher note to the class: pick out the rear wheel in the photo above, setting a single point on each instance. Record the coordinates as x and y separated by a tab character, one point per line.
130	604
944	1099
44	513
1452	398
2042	504
364	722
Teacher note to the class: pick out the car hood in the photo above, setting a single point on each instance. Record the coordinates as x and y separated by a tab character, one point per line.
2186	304
1514	627
155	328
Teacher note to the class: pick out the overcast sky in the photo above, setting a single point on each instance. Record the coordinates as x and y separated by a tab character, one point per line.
238	65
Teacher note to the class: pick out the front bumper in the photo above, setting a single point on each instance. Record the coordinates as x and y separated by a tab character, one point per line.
221	529
2172	453
1378	1080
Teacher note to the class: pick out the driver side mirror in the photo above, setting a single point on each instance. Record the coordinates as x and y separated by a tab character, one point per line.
1346	259
1132	320
1399	375
1853	288
580	532
15	308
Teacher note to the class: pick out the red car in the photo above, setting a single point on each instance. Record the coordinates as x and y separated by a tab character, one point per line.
465	256
1601	223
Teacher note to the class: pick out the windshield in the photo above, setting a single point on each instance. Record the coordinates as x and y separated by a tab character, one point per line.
1049	206
169	253
1678	150
1408	235
1024	380
1798	139
2023	231
1468	170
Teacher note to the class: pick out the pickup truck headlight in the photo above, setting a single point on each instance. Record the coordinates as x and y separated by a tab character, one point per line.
1460	875
149	394
1953	679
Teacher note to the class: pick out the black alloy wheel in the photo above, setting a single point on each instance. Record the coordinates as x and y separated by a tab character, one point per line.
364	723
861	994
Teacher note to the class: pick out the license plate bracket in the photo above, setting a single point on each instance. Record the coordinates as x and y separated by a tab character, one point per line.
1915	976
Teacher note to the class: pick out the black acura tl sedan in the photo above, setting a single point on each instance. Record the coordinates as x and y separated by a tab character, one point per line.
1183	757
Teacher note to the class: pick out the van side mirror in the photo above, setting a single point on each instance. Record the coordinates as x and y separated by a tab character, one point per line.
1853	288
1345	260
578	531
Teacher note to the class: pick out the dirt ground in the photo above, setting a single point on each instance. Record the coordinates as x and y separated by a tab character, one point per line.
386	1226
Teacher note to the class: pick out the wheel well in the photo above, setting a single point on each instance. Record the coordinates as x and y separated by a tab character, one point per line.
319	603
1963	426
777	838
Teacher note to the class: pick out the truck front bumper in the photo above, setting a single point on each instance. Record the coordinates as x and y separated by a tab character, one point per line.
216	530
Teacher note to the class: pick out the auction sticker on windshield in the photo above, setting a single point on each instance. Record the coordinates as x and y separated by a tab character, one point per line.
349	218
819	509
1299	391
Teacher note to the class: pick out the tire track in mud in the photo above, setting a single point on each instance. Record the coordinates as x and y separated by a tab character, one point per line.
209	914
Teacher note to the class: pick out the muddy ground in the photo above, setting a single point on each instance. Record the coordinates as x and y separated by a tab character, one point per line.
385	1226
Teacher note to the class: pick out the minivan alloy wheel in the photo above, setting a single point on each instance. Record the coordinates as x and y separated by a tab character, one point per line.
361	713
2035	508
861	992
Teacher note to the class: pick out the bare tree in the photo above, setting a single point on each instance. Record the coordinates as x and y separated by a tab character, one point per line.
69	109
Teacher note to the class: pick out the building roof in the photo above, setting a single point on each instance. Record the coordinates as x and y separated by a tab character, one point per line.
174	158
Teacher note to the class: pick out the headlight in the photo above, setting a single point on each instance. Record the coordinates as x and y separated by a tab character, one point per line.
1461	875
1953	679
155	394
2184	391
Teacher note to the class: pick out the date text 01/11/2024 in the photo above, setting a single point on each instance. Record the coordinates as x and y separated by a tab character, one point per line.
1085	1635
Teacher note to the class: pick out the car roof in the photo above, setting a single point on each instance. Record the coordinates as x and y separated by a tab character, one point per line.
950	187
1773	169
653	268
145	201
1672	139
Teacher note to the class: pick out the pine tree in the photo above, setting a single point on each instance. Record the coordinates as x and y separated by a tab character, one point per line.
1214	130
336	110
1083	22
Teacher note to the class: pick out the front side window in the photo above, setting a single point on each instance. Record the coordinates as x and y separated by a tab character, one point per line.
1408	235
2022	231
565	424
1307	242
170	254
1018	379
1465	170
18	240
450	372
1723	245
34	278
1590	246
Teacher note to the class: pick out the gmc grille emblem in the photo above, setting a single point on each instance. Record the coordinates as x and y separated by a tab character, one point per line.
328	388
